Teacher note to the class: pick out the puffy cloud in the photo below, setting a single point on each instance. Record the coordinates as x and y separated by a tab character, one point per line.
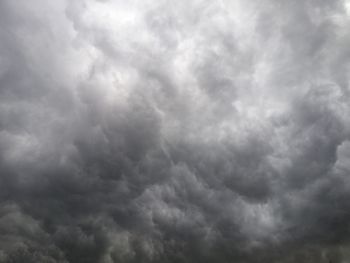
162	131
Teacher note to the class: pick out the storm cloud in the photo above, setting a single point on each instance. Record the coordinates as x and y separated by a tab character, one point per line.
174	131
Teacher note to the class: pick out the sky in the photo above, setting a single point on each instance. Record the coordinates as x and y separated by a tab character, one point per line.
187	131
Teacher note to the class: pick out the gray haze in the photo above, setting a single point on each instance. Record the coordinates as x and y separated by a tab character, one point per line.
164	131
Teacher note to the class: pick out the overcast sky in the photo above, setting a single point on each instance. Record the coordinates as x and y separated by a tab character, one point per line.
187	131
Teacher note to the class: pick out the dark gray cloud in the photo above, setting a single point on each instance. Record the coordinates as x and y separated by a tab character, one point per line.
163	131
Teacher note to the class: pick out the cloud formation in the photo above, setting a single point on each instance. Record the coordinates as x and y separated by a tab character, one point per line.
174	131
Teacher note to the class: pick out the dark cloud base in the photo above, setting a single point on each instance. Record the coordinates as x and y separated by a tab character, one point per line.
174	131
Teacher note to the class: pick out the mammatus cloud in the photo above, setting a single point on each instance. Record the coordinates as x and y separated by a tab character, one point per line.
174	131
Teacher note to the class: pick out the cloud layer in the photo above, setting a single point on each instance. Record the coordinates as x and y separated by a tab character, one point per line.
174	131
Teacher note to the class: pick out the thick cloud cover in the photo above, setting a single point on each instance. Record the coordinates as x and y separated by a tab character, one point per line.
174	131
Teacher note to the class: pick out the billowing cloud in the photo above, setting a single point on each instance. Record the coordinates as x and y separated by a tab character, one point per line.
174	131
